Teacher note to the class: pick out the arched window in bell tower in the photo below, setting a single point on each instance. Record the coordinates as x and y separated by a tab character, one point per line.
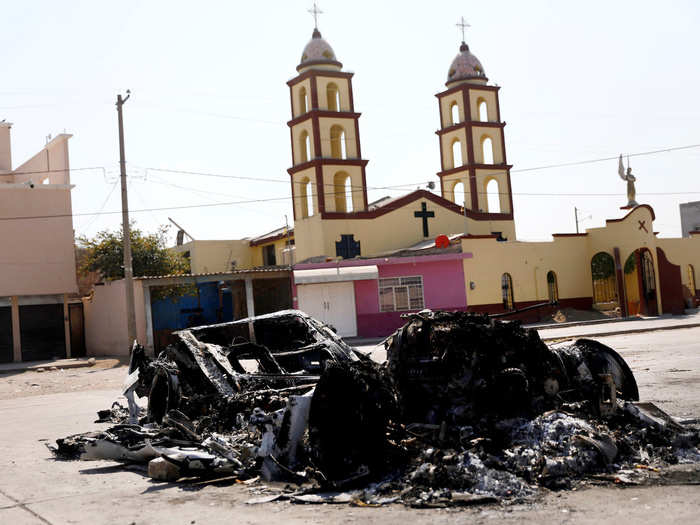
338	145
342	187
456	153
458	193
304	147
487	150
303	101
333	97
482	110
493	197
306	197
454	112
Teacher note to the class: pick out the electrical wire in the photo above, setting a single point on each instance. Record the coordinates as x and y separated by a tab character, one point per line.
388	207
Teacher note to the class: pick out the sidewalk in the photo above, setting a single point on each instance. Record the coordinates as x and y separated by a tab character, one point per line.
618	326
599	328
42	366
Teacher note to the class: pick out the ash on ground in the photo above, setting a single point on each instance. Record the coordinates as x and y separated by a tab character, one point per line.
466	410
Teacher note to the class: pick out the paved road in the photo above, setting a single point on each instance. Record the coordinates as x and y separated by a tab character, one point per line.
36	489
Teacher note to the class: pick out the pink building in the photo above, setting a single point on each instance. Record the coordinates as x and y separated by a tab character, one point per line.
366	297
37	261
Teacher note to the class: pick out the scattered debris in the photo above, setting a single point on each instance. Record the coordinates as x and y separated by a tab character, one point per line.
467	410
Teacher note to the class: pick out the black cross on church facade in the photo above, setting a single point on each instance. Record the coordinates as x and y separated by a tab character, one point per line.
424	214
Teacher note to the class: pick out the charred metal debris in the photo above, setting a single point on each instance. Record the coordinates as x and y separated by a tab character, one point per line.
465	410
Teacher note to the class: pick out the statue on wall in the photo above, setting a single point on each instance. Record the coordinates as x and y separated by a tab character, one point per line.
631	191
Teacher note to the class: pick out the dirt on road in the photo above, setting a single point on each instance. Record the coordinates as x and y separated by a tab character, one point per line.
34	488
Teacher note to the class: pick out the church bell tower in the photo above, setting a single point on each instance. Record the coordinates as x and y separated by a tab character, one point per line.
328	172
472	145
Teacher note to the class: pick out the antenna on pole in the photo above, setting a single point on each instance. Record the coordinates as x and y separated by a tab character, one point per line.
180	229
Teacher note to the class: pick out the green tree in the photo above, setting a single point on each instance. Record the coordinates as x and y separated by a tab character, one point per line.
602	266
104	253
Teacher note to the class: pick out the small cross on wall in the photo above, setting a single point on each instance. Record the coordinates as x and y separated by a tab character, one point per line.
424	214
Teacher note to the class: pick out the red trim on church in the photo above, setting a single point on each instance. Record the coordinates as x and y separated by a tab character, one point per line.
323	161
651	210
318	72
476	87
466	167
321	113
318	63
414	196
472	123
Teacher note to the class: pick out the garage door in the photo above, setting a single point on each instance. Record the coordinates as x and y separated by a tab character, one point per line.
5	334
332	303
42	331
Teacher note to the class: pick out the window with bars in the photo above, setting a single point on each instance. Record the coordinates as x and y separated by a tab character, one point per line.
507	291
401	293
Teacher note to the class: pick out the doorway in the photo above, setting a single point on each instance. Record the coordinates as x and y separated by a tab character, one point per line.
330	303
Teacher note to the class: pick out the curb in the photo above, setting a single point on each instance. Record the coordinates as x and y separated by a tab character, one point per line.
10	368
622	332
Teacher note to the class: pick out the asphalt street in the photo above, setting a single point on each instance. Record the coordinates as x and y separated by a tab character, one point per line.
35	488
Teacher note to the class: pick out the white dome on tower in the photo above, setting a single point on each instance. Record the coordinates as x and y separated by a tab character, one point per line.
318	54
465	67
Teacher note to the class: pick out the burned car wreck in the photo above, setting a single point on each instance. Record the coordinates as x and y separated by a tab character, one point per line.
465	409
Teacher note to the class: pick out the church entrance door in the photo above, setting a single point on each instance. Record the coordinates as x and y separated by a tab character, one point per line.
331	303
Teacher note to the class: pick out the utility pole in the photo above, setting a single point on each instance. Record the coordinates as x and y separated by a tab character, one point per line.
128	268
576	217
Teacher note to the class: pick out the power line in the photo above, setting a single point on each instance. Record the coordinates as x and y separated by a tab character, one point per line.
278	199
604	159
13	173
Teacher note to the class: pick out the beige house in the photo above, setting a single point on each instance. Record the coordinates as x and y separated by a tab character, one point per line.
38	262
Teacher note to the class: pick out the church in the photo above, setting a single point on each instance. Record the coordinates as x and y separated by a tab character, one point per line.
360	265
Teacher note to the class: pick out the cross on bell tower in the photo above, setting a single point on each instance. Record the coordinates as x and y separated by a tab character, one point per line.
315	11
462	24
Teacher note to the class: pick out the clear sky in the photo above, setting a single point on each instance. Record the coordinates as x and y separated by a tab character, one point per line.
579	81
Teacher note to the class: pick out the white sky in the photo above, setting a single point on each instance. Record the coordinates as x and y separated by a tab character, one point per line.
579	82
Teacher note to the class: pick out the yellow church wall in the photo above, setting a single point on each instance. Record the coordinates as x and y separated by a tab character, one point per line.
392	231
632	287
683	251
325	124
483	177
211	256
476	96
309	237
449	182
298	147
479	134
296	98
299	179
446	108
343	91
528	265
332	194
447	141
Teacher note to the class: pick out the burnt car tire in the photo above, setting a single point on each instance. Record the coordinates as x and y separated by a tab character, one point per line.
348	420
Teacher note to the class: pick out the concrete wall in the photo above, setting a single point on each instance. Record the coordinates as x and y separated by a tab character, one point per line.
569	256
528	265
442	290
105	319
39	256
217	256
